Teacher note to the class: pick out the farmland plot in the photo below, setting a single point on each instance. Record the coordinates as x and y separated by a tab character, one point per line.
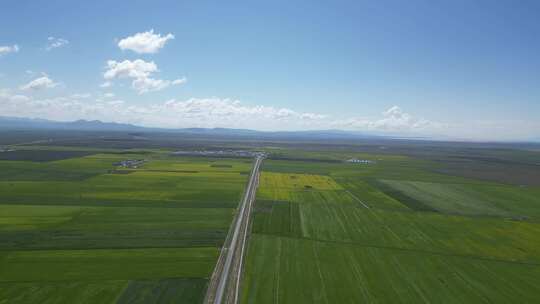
79	230
503	201
289	270
475	244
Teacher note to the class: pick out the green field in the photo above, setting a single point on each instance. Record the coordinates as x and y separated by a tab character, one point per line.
467	199
79	230
74	228
390	232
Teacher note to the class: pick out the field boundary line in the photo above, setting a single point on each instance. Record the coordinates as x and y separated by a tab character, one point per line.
456	255
357	199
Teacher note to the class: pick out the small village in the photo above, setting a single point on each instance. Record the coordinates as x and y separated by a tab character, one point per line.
130	163
360	161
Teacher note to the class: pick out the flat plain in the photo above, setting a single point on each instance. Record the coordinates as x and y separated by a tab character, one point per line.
393	231
419	224
77	228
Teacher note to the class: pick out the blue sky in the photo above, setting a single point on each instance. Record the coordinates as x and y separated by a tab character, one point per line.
450	69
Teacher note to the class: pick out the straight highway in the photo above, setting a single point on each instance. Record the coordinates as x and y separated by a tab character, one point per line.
224	285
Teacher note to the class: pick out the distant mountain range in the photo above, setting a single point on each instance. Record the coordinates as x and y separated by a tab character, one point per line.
12	123
91	125
17	123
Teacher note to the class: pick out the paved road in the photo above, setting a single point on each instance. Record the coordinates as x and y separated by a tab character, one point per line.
225	282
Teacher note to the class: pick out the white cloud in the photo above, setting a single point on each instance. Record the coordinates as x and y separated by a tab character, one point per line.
53	43
312	116
127	68
81	95
43	82
145	85
394	120
5	93
140	71
218	112
7	96
194	112
20	98
179	81
115	102
6	49
145	42
208	109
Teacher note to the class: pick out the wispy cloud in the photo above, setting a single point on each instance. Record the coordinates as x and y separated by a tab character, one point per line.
230	113
198	112
145	42
40	83
53	43
6	49
179	81
81	95
106	84
393	119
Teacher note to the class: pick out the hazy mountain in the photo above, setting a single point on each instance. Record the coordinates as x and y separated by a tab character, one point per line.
96	125
12	123
36	123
